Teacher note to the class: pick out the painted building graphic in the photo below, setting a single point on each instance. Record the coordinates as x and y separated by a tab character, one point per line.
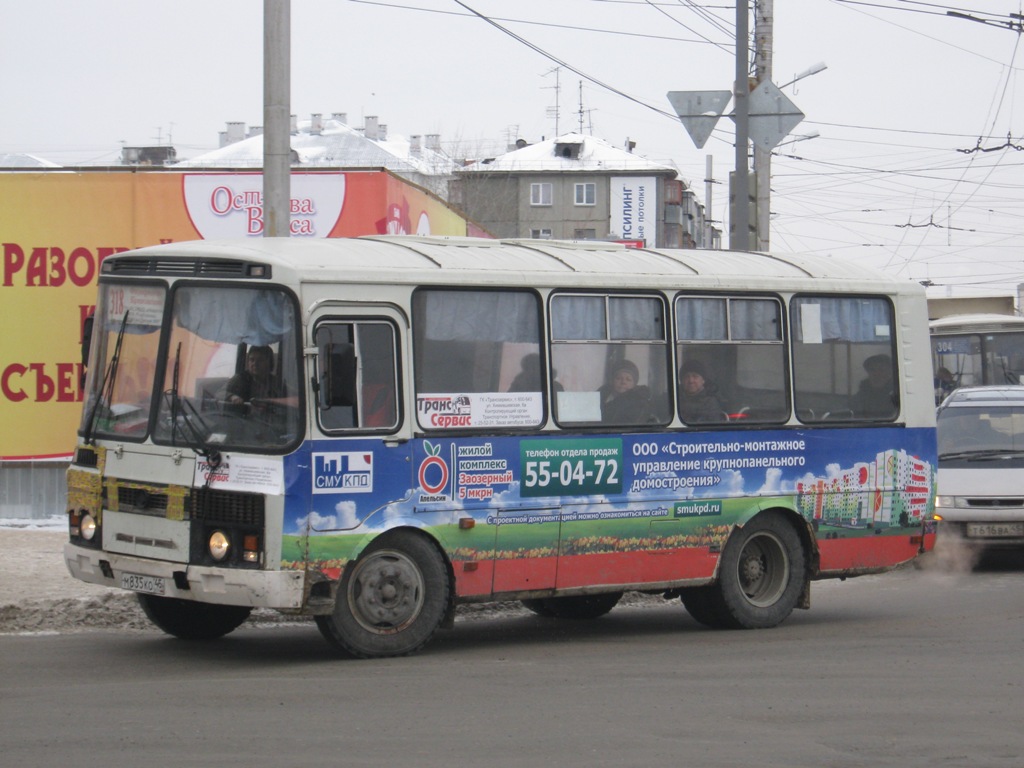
894	489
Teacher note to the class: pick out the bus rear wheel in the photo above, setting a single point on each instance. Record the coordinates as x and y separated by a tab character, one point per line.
188	620
391	601
760	579
574	606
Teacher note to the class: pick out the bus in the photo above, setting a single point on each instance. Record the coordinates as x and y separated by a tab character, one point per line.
973	350
374	431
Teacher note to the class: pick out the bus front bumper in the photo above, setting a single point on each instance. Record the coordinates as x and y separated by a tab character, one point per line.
282	590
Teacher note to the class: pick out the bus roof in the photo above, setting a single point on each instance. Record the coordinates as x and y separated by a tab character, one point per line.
977	323
412	258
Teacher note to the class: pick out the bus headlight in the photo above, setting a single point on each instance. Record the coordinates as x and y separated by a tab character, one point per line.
218	545
87	527
947	502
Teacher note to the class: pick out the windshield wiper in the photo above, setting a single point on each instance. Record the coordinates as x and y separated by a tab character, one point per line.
106	393
985	454
187	413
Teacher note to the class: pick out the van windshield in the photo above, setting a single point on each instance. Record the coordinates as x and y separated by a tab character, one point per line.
980	431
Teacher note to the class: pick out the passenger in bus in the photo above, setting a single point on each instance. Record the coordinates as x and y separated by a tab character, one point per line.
528	379
875	395
624	400
256	381
698	398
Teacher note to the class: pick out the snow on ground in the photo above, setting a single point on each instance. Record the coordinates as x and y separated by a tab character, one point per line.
38	595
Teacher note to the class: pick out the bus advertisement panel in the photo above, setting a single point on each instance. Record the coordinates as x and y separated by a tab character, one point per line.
589	500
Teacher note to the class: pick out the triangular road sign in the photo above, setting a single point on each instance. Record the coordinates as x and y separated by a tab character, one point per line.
699	111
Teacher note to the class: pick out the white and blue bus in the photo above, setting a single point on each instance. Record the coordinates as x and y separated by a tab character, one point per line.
373	431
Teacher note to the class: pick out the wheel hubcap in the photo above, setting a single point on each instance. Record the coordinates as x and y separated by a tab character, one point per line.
763	569
386	592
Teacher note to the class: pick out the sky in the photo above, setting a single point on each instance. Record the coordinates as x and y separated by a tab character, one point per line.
915	165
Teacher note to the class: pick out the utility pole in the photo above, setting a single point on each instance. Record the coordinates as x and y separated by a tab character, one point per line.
276	118
709	179
739	238
763	48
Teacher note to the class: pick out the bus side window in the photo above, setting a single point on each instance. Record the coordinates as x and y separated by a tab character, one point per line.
356	375
477	358
843	362
732	357
610	352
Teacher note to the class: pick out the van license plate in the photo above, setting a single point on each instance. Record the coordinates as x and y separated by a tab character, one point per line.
152	585
995	530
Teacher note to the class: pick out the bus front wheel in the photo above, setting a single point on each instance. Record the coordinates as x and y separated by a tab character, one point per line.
391	601
760	578
188	620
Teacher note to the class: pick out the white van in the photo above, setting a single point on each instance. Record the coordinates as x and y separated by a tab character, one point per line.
981	466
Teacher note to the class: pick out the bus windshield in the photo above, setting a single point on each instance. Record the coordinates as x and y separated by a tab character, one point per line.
228	378
231	376
977	359
122	364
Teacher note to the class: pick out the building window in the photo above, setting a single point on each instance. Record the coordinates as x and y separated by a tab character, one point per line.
540	234
540	194
586	194
584	234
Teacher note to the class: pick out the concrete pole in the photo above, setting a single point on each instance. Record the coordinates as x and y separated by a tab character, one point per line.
739	239
709	180
276	117
763	47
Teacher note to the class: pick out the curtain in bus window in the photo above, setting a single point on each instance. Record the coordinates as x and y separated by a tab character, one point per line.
623	318
635	318
255	317
476	316
578	318
701	319
754	320
843	319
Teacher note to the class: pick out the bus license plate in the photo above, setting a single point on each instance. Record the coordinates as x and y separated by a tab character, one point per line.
995	530
152	585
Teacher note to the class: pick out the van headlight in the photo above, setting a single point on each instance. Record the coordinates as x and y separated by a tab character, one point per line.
945	502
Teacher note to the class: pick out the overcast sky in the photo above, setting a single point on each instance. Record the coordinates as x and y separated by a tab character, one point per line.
890	180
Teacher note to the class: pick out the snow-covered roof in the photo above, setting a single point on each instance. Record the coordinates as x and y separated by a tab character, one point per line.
21	160
567	153
337	146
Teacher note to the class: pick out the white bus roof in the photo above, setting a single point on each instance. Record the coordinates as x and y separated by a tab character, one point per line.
417	259
977	323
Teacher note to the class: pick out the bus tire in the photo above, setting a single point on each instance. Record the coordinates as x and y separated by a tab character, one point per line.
574	606
761	575
189	620
391	601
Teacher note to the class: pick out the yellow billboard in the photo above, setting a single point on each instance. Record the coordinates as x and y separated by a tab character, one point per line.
56	227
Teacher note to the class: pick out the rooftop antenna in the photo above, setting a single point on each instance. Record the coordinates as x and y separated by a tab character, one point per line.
553	111
581	107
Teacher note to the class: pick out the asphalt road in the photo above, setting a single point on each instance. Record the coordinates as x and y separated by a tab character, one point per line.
913	668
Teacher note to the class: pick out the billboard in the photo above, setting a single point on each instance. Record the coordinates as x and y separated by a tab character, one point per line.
57	226
633	205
